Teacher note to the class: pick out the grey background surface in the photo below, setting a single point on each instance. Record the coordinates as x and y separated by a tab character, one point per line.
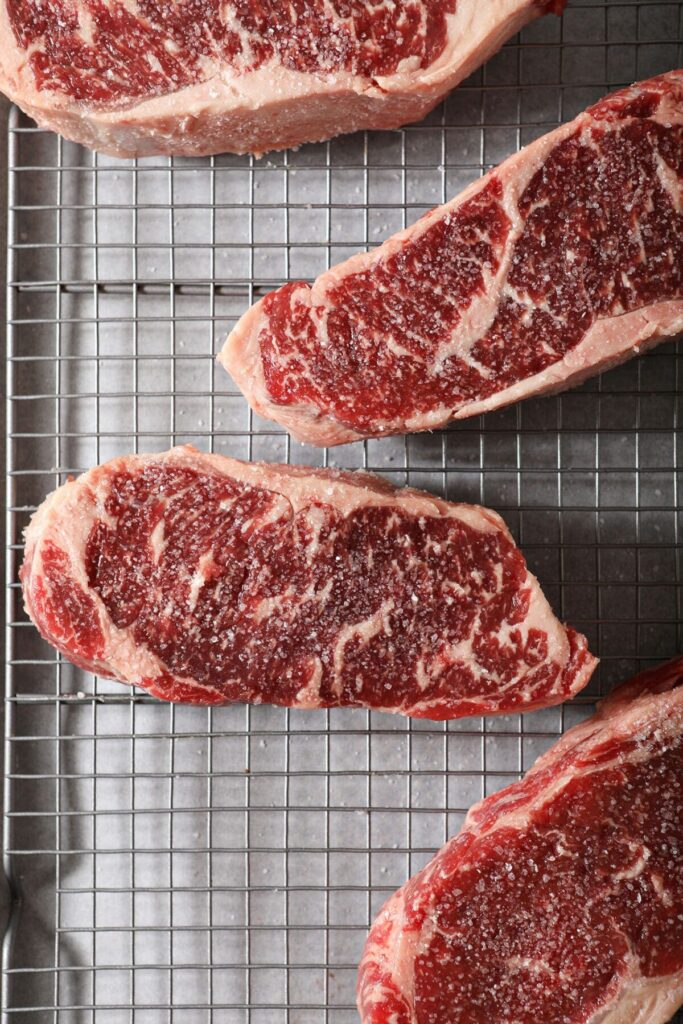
177	864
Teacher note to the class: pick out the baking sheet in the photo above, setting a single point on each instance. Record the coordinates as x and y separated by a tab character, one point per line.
174	863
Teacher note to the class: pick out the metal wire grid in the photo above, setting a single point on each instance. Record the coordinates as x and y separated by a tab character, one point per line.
173	863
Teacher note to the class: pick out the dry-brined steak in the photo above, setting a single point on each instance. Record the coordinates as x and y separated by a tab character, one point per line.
208	580
192	77
565	260
561	900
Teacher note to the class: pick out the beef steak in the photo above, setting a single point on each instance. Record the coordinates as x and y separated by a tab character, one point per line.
207	580
192	77
565	260
561	900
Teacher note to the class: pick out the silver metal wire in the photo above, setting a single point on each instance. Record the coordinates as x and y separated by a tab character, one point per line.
183	864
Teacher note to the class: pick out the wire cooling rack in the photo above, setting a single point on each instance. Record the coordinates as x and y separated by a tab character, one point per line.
183	864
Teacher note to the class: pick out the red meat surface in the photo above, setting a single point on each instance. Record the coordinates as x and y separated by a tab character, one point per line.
191	77
564	261
561	900
208	580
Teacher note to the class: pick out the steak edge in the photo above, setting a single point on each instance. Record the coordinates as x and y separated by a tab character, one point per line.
561	899
564	261
206	580
199	77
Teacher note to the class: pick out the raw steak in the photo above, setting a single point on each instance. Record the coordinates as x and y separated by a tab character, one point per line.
191	77
561	900
208	580
565	260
